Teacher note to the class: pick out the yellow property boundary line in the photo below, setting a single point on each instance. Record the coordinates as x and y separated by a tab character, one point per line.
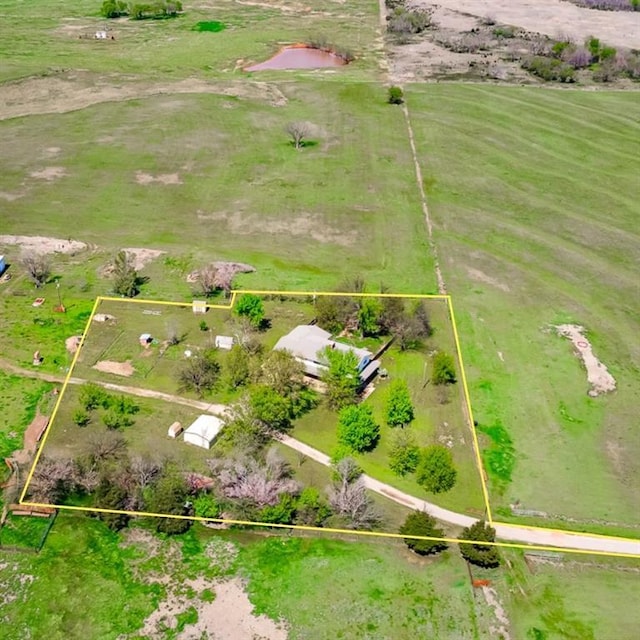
467	399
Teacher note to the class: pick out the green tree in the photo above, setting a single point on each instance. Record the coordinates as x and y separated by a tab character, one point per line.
311	509
125	277
420	523
281	513
92	396
236	367
283	373
270	408
81	418
357	428
169	496
395	95
399	410
206	506
342	377
404	453
444	371
200	373
110	495
435	471
369	317
250	306
480	554
114	9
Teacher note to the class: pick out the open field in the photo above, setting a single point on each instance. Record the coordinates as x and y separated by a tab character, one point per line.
60	594
233	184
46	38
534	198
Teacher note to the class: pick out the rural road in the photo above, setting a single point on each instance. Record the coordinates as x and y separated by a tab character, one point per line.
505	532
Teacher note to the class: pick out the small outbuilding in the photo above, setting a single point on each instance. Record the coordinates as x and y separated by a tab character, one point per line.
224	342
3	265
203	431
199	306
175	430
146	339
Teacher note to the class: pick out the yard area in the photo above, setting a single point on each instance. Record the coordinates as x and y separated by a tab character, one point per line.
534	198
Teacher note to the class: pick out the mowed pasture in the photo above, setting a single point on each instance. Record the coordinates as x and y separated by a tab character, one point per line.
534	196
216	177
47	37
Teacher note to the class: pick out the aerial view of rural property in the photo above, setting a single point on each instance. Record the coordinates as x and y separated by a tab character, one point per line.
319	320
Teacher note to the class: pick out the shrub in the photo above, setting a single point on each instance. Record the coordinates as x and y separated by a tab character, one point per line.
443	369
420	523
250	306
81	418
479	554
404	454
435	471
552	70
395	95
92	396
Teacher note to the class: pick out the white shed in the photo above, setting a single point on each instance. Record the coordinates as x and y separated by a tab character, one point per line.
224	342
203	431
175	430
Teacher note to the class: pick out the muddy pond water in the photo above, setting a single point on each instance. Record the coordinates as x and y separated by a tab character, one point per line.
298	57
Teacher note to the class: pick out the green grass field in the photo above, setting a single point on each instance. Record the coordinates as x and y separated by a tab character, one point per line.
46	39
534	198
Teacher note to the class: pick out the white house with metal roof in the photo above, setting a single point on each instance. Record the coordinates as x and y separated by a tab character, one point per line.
307	343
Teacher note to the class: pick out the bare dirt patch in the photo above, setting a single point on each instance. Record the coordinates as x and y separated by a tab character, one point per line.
230	617
480	276
49	173
72	343
165	178
501	630
41	244
552	18
117	368
141	257
599	378
34	432
227	270
71	91
304	225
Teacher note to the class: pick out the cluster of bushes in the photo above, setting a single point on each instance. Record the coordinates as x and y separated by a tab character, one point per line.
404	22
609	5
559	61
408	323
117	411
141	11
420	523
321	42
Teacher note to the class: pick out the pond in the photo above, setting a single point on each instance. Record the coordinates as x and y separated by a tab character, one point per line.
299	57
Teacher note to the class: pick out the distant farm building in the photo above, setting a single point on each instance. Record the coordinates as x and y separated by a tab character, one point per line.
203	431
224	342
307	343
101	35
